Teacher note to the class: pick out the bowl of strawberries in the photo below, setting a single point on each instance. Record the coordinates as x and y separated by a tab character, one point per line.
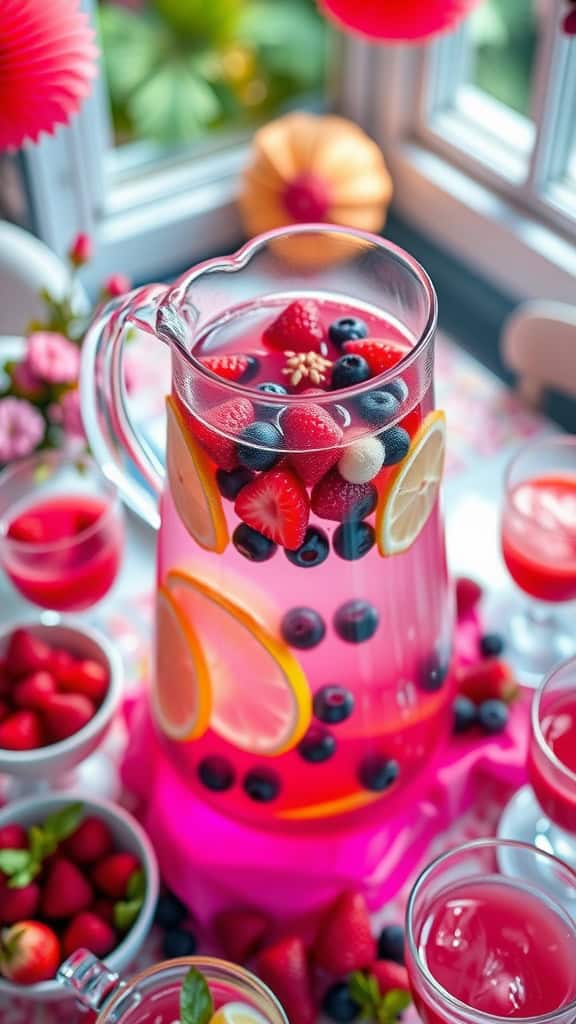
74	874
60	686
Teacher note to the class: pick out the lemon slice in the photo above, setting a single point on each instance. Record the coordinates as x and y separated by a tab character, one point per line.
261	700
181	699
406	504
238	1013
192	484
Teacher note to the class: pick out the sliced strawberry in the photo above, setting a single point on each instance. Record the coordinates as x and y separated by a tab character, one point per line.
87	931
241	933
344	942
64	714
468	594
311	426
234	367
26	653
276	504
284	968
31	693
66	891
389	975
380	354
21	731
18	904
337	499
229	418
298	328
489	679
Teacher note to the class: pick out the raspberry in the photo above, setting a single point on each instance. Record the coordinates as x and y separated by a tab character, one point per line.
297	328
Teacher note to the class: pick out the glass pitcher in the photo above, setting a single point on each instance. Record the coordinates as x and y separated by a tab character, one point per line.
153	996
304	615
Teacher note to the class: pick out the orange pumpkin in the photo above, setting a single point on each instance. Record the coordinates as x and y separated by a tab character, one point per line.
308	168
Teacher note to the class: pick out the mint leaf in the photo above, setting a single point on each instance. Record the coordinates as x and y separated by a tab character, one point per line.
196	1003
14	861
37	843
136	888
62	824
393	1004
23	878
126	912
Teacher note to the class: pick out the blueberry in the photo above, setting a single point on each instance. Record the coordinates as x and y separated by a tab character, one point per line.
170	911
396	443
465	714
178	943
339	1005
378	407
333	704
216	773
318	745
356	621
253	545
303	628
261	785
433	672
493	716
313	551
353	540
349	370
270	388
265	435
230	482
491	645
377	773
391	943
346	329
398	388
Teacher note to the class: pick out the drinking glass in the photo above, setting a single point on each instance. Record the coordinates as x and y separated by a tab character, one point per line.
487	943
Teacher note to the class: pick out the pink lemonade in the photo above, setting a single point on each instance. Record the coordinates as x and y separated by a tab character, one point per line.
66	551
499	948
539	537
314	678
556	789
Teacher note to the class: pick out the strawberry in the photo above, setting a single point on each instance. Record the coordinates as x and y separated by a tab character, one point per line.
275	504
29	953
468	594
64	714
5	710
18	904
284	968
233	366
66	891
26	653
87	931
412	420
28	529
88	678
380	355
31	692
297	328
344	942
310	426
389	975
13	837
112	874
336	498
21	731
489	679
228	418
90	842
104	909
241	933
62	664
5	684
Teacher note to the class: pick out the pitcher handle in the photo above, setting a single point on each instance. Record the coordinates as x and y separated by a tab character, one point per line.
112	437
86	977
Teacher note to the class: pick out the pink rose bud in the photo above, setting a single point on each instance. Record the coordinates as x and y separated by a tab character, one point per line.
81	250
116	284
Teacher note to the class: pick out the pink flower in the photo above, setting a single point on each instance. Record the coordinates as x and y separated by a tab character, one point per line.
80	251
67	415
406	21
52	358
26	382
21	428
116	284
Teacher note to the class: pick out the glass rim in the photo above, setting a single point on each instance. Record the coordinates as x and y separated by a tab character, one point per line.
241	259
48	547
204	964
541	741
528	447
463	1008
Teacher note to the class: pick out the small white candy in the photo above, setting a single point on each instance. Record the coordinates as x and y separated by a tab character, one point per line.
362	460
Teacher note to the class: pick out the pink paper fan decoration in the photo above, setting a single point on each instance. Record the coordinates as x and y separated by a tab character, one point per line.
47	62
398	20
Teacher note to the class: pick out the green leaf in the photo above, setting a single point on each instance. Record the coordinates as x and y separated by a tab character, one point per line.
14	861
132	45
393	1004
23	878
136	889
174	105
196	1003
126	912
63	823
36	843
289	43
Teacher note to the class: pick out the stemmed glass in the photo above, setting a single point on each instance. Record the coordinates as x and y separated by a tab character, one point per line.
539	549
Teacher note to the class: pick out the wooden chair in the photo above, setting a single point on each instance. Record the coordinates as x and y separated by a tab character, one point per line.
538	343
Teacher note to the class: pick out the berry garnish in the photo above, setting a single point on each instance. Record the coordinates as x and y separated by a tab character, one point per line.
284	968
491	645
344	942
170	911
276	504
468	594
223	423
465	714
349	370
346	329
311	426
298	327
239	368
259	445
378	407
493	716
253	545
230	482
216	773
269	388
356	621
377	773
391	979
337	499
333	704
179	942
380	355
303	628
88	931
398	388
391	943
317	746
29	953
361	461
241	933
353	540
261	785
339	1005
433	672
489	679
396	444
313	550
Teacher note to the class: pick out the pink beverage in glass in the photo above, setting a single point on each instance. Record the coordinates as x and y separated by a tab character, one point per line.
539	536
552	759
